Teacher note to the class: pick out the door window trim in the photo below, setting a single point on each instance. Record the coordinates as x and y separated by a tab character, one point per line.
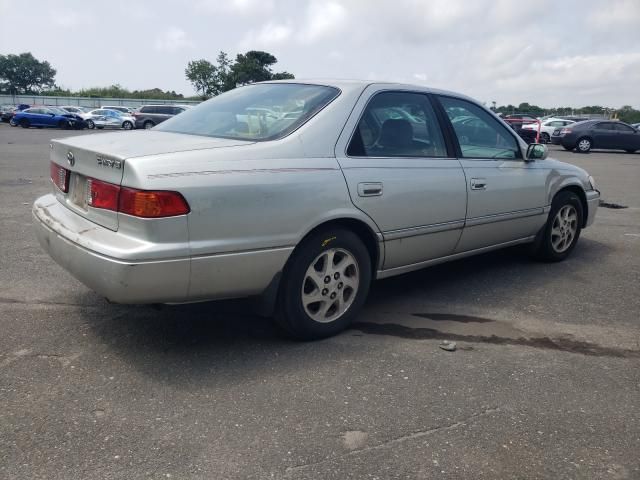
451	153
454	138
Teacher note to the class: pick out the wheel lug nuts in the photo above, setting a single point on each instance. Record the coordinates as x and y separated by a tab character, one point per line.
324	292
340	285
332	296
327	279
336	276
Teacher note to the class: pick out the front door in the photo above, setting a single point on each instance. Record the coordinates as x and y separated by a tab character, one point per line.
507	196
400	172
627	137
604	135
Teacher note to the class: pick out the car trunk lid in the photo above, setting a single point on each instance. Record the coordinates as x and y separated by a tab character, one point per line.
103	157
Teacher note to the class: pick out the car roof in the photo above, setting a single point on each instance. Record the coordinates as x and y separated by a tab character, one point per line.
352	84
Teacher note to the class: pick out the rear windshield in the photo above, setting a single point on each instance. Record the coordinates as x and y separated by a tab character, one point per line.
256	112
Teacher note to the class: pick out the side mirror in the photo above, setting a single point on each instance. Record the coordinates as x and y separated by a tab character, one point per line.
537	151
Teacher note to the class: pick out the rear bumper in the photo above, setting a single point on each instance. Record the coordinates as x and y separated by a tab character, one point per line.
593	200
60	232
110	263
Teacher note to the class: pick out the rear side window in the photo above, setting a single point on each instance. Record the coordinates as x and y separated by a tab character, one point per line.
606	126
479	134
148	109
398	124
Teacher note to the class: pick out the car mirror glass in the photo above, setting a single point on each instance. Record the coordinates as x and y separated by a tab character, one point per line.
537	151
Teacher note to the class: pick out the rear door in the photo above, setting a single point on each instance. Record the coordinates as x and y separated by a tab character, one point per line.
403	175
506	195
604	135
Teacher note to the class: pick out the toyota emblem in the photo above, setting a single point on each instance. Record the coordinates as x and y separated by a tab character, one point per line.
71	160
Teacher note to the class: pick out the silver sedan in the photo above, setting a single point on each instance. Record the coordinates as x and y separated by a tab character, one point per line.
105	118
301	194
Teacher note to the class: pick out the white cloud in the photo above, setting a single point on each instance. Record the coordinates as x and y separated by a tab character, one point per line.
240	7
172	40
323	19
272	34
70	18
615	14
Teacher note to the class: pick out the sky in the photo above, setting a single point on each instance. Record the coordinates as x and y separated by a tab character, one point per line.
544	52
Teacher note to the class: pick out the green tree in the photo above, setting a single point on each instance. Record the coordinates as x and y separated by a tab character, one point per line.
255	66
203	75
24	73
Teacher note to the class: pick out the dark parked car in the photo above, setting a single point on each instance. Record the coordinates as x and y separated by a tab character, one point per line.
149	116
604	134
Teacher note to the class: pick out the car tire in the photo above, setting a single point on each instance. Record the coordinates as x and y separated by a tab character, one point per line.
90	124
127	125
544	136
584	144
24	123
148	124
63	125
312	304
561	232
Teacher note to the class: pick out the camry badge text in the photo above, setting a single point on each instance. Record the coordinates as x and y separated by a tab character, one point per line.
108	162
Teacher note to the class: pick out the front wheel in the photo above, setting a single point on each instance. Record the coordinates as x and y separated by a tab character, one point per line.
148	125
90	124
563	228
545	137
584	145
325	284
127	125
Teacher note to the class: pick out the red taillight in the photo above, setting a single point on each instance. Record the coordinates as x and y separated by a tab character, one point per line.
102	194
152	204
60	177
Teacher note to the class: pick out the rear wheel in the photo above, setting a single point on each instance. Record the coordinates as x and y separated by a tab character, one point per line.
149	124
63	124
563	228
90	124
24	123
584	145
544	136
325	284
127	125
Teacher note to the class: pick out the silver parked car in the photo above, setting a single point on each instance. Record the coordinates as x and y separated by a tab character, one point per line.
301	194
103	118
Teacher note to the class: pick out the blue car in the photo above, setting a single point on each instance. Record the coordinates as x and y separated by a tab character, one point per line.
44	117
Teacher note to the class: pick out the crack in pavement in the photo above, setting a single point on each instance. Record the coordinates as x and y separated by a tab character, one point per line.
559	344
397	440
16	301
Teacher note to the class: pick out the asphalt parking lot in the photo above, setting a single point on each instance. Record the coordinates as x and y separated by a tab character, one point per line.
545	382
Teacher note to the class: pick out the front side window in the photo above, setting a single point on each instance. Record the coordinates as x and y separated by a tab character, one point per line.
478	133
398	124
259	112
624	128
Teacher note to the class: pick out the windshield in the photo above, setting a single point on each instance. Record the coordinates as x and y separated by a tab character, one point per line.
255	112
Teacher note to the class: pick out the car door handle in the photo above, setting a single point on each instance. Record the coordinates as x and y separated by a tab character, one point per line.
478	184
370	189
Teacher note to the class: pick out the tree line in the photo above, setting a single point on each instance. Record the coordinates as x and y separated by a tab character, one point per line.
25	74
209	79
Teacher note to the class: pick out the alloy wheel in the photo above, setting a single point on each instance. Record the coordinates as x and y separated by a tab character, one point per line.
564	228
330	285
